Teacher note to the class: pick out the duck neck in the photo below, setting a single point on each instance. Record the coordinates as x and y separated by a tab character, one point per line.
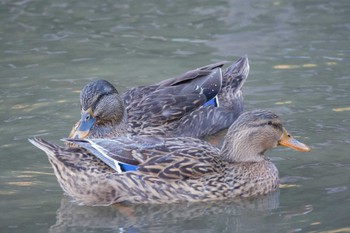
238	147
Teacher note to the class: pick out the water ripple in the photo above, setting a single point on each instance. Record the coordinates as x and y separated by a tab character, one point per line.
338	189
17	118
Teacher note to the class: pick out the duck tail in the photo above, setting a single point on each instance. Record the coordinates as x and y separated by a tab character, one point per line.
49	148
230	96
236	75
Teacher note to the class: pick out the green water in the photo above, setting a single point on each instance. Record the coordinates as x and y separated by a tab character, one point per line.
299	55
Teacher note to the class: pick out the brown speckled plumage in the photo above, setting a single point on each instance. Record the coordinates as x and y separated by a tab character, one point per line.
173	169
170	108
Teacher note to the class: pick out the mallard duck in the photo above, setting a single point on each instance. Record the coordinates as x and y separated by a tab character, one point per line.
171	108
173	169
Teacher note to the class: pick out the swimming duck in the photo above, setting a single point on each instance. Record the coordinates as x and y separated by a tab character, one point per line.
198	103
172	170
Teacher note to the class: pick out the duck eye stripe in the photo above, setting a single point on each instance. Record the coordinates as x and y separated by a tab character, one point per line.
275	125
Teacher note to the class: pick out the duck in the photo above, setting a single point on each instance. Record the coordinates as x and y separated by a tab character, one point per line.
199	103
173	170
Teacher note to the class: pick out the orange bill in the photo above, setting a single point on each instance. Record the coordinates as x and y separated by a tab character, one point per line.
288	141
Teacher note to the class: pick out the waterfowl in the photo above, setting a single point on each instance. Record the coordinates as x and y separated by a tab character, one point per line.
173	170
171	108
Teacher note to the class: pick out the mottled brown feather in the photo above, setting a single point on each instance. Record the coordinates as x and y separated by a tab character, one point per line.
173	107
172	169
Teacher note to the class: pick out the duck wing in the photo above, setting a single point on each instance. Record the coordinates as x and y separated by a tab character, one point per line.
173	107
171	102
135	95
184	163
139	150
210	120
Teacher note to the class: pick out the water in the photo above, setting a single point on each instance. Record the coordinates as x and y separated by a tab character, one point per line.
299	56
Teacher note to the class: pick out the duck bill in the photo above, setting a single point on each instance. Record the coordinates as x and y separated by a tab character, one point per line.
288	141
86	123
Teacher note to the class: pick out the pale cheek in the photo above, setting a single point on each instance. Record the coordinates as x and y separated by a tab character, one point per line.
268	144
271	141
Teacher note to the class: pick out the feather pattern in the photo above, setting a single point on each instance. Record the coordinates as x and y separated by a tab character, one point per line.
172	107
173	169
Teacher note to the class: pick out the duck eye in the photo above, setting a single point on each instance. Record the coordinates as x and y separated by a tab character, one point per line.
269	123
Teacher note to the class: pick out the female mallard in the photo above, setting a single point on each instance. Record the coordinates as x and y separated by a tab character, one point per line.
173	169
170	108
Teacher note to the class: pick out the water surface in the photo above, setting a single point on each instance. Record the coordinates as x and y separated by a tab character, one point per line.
299	57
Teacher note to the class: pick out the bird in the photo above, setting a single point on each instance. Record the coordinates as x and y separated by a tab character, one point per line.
199	103
173	170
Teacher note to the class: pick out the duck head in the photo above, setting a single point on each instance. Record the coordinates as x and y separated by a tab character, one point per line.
255	132
102	111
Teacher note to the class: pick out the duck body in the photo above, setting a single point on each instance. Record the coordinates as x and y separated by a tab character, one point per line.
198	103
172	169
200	177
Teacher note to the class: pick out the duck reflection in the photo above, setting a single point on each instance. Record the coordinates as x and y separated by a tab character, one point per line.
223	216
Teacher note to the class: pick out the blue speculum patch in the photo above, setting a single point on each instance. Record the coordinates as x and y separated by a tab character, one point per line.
212	102
127	167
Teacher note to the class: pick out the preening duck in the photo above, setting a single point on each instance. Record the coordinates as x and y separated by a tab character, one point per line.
198	103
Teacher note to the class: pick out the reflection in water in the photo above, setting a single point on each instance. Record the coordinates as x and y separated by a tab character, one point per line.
297	212
299	51
211	216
